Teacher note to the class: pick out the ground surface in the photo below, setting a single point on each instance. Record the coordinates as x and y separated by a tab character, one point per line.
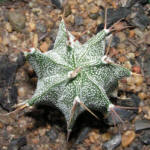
25	24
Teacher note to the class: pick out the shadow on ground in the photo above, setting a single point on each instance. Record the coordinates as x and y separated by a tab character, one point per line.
44	115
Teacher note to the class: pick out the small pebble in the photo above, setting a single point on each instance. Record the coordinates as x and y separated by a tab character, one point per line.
58	3
42	131
136	69
114	43
22	123
142	95
128	138
70	19
82	135
93	9
27	147
140	20
131	33
93	136
121	36
122	59
142	124
138	32
99	20
1	125
44	47
8	27
146	110
41	27
17	20
121	46
94	16
127	65
101	3
145	138
147	38
1	39
95	147
9	128
32	26
5	40
67	11
37	10
138	80
105	137
131	55
35	140
50	24
13	37
113	143
16	144
53	134
35	40
130	80
31	4
89	1
78	20
22	91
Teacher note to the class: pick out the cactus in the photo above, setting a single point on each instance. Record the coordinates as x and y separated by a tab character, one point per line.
75	76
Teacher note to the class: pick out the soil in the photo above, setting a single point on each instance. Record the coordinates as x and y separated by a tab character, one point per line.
25	24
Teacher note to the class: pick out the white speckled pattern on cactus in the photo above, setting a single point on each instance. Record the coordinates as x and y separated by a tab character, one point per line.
91	84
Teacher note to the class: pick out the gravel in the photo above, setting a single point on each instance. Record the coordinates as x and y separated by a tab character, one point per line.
25	24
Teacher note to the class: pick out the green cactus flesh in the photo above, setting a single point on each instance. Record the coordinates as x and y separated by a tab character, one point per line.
73	74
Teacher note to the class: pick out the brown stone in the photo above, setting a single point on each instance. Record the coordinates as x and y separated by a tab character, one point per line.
13	37
128	65
142	95
122	59
93	136
146	110
35	40
22	91
70	19
93	9
106	137
1	125
147	38
1	40
35	140
8	27
32	26
121	36
44	47
67	11
89	1
17	20
128	138
138	80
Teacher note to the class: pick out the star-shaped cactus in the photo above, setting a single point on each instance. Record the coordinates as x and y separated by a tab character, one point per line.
75	77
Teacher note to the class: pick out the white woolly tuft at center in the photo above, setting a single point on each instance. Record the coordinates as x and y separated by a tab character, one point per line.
70	74
110	107
76	99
